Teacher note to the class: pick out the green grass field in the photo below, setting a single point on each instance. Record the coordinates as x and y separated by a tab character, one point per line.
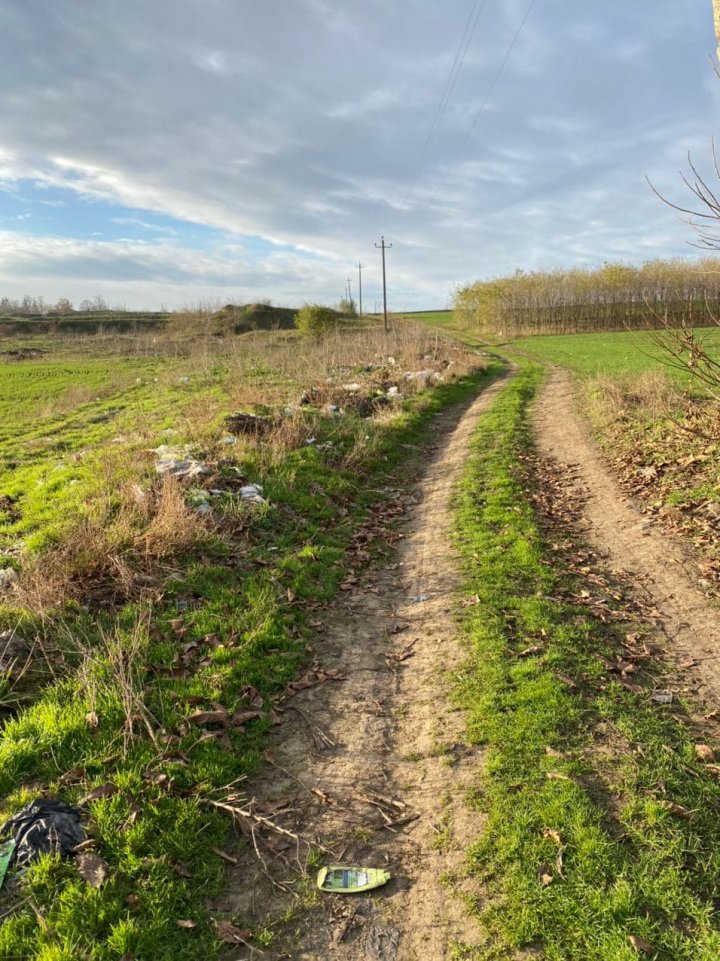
623	353
150	624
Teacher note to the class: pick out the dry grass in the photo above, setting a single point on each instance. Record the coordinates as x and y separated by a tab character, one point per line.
115	553
650	393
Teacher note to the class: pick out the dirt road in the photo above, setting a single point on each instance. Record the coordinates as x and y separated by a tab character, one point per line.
374	767
658	563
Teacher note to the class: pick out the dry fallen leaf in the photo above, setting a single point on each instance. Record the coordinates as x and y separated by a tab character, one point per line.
209	717
104	790
92	868
132	901
242	717
678	809
545	876
224	855
705	752
552	834
228	933
640	944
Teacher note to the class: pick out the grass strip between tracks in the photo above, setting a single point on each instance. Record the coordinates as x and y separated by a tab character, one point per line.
602	837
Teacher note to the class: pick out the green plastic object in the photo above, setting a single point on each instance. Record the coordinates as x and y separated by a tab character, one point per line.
7	849
342	880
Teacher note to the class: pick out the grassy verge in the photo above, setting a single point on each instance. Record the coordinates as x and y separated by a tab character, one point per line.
602	833
139	714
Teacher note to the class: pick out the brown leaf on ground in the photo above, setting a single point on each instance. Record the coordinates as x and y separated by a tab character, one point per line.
242	717
545	876
553	835
228	933
535	649
682	812
705	752
132	901
92	868
224	856
640	944
209	717
104	790
181	869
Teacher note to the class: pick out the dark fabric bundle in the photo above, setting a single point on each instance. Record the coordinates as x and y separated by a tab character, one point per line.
44	827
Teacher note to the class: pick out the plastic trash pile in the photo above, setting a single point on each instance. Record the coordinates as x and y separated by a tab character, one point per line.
178	462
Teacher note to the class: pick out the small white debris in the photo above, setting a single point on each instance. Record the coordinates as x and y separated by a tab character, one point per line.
662	697
252	493
8	578
229	439
351	388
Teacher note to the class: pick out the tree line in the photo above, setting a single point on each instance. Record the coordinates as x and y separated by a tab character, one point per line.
612	297
38	306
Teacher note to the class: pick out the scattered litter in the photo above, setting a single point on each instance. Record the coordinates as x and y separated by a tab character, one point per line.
351	388
252	493
310	441
341	880
421	375
420	598
229	439
6	854
44	826
662	697
8	578
177	462
183	380
332	409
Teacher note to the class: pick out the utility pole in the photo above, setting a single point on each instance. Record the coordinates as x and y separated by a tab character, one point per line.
716	13
360	270
383	246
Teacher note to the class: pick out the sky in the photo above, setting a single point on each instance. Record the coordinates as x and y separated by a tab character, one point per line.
172	153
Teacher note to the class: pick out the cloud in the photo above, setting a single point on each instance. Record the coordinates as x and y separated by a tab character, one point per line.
304	124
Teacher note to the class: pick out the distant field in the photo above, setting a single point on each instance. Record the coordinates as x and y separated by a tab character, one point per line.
437	318
626	352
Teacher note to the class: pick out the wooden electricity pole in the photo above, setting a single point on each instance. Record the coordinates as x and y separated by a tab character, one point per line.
360	270
383	246
716	13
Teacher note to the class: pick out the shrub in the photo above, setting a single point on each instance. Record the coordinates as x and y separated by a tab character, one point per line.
315	320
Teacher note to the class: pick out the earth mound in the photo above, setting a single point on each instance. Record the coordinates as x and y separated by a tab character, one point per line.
244	318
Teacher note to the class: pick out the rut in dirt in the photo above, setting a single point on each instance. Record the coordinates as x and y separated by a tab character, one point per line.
660	565
373	769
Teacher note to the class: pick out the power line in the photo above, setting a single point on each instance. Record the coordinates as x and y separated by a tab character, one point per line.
460	55
492	86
